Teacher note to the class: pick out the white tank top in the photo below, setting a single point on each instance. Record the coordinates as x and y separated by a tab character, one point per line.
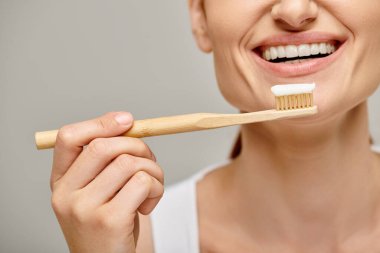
175	220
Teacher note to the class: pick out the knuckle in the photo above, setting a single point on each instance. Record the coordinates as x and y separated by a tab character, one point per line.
66	135
106	219
140	146
158	172
57	203
125	161
139	142
143	178
78	211
102	123
105	123
98	147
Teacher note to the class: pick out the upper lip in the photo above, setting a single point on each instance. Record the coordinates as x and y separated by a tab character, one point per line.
297	39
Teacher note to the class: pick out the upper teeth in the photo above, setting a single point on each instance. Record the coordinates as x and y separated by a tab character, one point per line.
292	51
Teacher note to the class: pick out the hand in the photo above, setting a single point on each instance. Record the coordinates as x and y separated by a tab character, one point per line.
98	189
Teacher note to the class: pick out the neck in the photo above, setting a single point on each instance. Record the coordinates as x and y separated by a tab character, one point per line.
310	184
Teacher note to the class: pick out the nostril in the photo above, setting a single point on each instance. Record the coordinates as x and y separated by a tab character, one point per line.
308	20
294	15
294	24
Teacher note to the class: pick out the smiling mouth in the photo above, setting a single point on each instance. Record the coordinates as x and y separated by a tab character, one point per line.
293	54
297	55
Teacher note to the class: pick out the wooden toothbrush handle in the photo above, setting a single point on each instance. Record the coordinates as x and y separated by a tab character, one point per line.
187	123
166	125
140	128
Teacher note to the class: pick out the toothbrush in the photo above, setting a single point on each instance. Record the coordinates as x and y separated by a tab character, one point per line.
291	100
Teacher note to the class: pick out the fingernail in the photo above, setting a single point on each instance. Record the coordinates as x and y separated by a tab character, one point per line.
124	119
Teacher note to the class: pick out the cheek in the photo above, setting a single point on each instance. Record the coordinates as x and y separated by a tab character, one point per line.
229	25
241	85
231	18
365	28
358	76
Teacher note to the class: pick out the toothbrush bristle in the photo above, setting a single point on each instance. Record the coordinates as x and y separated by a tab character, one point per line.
297	101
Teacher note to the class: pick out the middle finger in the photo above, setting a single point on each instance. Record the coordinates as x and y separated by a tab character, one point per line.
98	154
117	174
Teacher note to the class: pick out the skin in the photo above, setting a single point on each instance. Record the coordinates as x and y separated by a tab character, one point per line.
99	191
299	185
319	173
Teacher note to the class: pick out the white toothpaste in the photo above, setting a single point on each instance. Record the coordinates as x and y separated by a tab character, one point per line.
292	89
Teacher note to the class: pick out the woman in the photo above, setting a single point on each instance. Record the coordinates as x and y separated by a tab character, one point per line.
298	185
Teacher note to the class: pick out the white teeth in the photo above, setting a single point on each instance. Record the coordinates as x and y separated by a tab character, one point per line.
281	52
322	48
304	50
293	51
314	49
267	55
329	49
273	53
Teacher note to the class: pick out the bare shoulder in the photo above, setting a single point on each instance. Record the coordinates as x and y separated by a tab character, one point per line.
145	241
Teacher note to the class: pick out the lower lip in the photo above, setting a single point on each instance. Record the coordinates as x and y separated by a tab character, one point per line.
299	69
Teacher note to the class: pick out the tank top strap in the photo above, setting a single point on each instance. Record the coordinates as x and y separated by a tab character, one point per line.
175	219
376	148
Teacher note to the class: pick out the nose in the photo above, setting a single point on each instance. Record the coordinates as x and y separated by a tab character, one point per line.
295	14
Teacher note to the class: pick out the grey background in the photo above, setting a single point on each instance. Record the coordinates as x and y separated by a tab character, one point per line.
66	61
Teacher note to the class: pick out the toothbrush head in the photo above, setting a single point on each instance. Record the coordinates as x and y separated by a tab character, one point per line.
293	96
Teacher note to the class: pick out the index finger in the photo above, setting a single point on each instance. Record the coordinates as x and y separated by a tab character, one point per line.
72	138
